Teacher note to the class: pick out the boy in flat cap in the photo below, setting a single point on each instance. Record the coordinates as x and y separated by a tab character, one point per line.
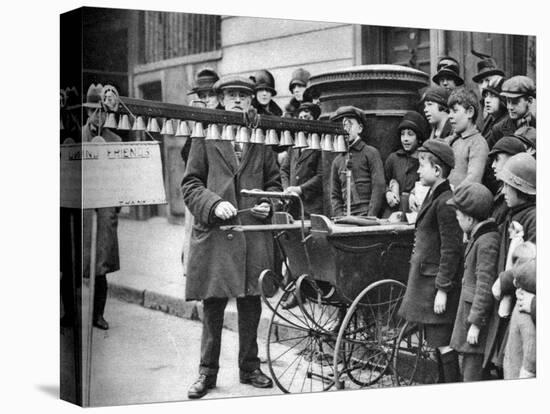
473	203
434	105
519	177
432	293
224	265
367	172
469	147
448	73
520	93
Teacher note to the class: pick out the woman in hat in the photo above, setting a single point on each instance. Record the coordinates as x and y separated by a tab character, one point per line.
448	73
297	87
401	167
494	105
264	91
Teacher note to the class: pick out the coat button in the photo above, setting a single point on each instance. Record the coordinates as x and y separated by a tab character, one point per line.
230	236
297	177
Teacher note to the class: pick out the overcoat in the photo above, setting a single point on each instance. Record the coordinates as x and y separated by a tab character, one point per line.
304	169
476	299
107	257
507	126
436	261
226	264
526	215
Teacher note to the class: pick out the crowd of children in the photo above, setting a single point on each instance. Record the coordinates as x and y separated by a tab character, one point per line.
468	171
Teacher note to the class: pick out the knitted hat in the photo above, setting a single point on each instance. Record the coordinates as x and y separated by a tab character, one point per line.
413	120
520	172
437	94
473	199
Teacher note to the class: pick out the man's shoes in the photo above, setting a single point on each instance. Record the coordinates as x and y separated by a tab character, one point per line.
256	378
101	323
201	386
290	302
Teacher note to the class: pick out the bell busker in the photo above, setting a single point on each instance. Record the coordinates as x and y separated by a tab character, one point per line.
367	186
432	293
473	203
224	265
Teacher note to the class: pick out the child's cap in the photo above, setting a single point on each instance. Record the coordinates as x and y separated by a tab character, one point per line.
518	86
508	145
520	172
349	112
527	135
413	120
437	94
314	109
473	199
441	150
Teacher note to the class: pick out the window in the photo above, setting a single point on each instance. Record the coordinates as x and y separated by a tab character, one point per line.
170	35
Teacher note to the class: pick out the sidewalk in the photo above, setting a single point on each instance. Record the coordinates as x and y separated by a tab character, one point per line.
151	272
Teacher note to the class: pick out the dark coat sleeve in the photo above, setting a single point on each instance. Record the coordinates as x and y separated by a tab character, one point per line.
450	236
486	273
388	167
314	185
378	182
507	282
199	199
285	169
336	190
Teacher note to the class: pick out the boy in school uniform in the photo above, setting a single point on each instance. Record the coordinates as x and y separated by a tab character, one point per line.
432	294
473	203
434	105
469	147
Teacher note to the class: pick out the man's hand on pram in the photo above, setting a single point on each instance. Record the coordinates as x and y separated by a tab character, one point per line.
225	210
261	210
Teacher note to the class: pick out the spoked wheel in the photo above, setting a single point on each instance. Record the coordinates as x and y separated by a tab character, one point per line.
414	361
300	353
314	299
367	336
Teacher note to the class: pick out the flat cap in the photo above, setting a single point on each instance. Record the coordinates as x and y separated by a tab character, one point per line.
440	149
473	199
235	82
518	86
508	145
527	135
349	112
437	94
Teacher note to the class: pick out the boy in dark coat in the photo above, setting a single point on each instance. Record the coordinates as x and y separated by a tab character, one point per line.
431	298
367	185
225	265
302	171
473	203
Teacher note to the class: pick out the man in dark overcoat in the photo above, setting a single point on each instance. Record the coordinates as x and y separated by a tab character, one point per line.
227	264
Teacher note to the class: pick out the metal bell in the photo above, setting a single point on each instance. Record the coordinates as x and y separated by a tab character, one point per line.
340	145
228	133
139	125
153	125
124	123
301	141
198	130
184	130
243	136
110	122
167	128
315	142
215	132
286	139
272	138
326	143
258	137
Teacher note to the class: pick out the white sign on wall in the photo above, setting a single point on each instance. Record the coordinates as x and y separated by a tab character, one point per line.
111	174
